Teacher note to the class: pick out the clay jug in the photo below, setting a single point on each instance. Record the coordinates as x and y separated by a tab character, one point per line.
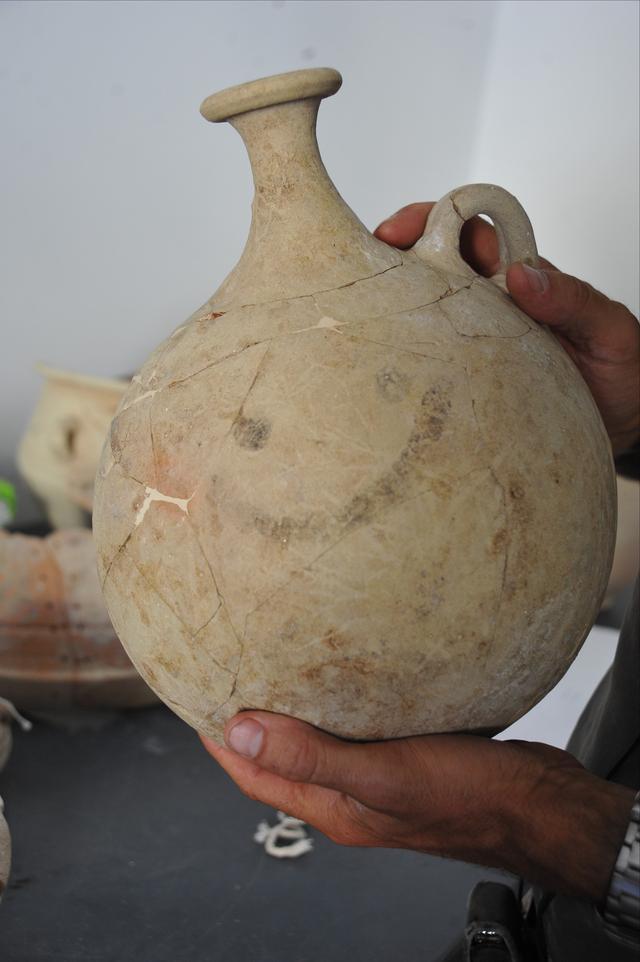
358	486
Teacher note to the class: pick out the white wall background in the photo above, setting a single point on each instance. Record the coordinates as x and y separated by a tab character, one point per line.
559	128
121	209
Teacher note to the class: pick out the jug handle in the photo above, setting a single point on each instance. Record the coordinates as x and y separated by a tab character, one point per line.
440	243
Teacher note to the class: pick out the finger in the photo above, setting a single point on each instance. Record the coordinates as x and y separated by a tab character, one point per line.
478	241
314	804
404	227
292	749
585	317
479	247
372	773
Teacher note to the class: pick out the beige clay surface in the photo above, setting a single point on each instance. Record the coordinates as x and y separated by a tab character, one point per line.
358	486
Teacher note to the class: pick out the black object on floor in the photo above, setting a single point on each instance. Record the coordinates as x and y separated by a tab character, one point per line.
131	845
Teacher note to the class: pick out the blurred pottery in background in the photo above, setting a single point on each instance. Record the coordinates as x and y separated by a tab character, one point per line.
5	851
57	647
60	450
5	837
5	740
7	714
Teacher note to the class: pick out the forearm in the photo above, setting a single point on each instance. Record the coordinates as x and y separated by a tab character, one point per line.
523	807
567	834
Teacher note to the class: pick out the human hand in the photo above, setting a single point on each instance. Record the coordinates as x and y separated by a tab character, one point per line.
528	808
600	335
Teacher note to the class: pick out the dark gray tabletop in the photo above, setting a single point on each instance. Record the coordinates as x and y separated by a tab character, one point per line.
131	845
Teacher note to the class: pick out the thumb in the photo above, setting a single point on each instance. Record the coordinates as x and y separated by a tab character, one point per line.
588	320
299	752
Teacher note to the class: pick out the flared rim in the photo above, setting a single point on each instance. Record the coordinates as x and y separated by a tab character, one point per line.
269	91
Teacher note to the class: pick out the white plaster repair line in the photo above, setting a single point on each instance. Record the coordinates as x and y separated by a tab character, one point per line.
152	494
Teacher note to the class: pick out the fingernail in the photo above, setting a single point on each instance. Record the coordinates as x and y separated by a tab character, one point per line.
246	738
538	281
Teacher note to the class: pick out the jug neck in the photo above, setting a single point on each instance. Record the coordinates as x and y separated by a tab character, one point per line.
283	152
303	237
